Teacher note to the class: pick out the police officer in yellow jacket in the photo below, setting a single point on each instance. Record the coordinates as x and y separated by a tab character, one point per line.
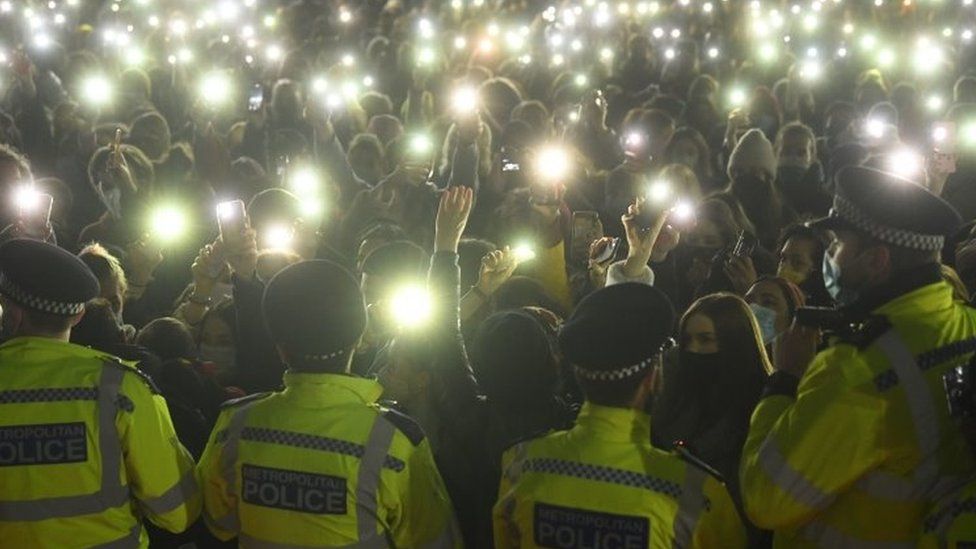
601	484
87	448
320	463
850	448
952	523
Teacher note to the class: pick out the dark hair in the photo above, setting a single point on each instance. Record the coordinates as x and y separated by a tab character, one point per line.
168	338
704	168
522	291
813	287
738	333
98	329
399	258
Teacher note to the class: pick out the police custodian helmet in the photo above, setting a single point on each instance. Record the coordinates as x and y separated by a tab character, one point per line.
45	278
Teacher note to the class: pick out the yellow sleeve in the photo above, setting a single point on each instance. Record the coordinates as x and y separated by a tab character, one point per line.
423	515
800	454
504	530
719	525
159	469
551	269
219	507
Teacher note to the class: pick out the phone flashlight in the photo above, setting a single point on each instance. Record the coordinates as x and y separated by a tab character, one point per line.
411	306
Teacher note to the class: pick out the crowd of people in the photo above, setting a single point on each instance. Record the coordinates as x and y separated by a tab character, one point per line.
487	273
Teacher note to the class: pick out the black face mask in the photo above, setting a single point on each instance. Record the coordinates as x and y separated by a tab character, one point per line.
700	367
790	175
749	183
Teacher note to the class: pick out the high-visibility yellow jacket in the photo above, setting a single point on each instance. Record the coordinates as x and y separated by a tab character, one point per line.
602	484
952	524
866	445
87	449
321	464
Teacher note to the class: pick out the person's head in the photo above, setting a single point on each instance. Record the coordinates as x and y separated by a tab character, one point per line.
500	96
99	327
659	127
117	193
385	127
376	104
536	115
722	325
801	252
286	101
881	227
521	291
838	118
43	290
217	341
774	302
752	159
614	340
796	146
315	314
688	147
150	133
108	270
366	158
683	181
390	266
168	338
514	358
134	85
14	167
715	226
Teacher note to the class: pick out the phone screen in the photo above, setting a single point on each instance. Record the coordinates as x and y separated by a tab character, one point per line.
232	219
256	100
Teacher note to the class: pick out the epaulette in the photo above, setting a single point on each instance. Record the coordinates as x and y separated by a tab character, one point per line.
244	399
405	424
867	332
682	451
115	362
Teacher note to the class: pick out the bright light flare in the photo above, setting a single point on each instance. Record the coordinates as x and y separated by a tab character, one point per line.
411	307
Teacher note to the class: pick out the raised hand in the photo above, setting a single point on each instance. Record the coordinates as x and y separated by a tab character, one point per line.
452	218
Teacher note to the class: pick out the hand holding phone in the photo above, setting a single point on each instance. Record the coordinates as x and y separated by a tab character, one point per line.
255	100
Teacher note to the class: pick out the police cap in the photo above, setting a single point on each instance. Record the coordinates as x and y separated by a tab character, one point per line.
891	209
616	332
45	278
314	310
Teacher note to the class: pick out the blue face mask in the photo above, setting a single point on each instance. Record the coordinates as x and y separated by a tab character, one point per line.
766	318
831	274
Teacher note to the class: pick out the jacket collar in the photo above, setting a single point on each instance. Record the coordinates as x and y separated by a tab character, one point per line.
325	389
615	424
899	285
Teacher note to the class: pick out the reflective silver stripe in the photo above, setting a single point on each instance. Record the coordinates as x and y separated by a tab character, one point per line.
690	506
920	405
378	443
602	473
228	465
112	493
831	538
313	442
248	542
789	480
130	540
177	495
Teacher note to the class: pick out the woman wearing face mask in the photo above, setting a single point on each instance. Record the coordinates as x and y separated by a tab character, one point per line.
774	302
711	389
799	176
218	341
801	252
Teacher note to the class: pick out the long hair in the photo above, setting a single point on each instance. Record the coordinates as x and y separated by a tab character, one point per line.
691	402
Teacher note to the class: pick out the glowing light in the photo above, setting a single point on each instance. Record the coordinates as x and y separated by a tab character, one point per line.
411	307
97	90
216	88
523	251
168	224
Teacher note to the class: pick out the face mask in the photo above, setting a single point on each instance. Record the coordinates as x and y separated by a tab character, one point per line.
111	199
766	318
790	175
832	275
749	182
224	356
700	366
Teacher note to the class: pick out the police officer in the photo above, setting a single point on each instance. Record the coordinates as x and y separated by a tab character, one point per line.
601	484
87	448
320	462
849	448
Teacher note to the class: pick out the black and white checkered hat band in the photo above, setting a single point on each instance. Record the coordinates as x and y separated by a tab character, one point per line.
614	375
18	294
845	209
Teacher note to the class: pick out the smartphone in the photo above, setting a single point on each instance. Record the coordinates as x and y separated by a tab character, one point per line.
744	245
609	252
824	318
586	229
960	389
256	98
232	220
